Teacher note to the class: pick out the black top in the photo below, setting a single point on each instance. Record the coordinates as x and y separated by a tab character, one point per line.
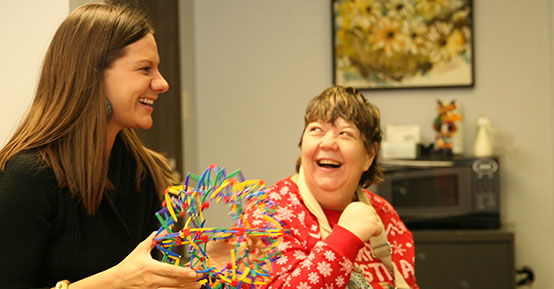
47	236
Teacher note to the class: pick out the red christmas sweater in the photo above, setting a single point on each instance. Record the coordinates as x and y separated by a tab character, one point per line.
309	262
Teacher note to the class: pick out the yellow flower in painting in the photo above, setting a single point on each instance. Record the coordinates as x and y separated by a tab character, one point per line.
359	13
447	42
418	43
388	36
430	9
461	18
401	9
350	43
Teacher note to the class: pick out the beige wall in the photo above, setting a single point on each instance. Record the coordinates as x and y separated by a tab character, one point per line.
27	27
188	85
259	62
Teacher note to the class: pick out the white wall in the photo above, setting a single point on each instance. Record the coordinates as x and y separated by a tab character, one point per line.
27	27
259	62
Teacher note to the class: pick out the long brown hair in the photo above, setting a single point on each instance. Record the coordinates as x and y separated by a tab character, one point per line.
66	123
348	103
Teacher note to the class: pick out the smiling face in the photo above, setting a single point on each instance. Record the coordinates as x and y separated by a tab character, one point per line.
132	83
333	159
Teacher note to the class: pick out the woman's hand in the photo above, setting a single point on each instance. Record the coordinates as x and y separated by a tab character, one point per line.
140	270
361	220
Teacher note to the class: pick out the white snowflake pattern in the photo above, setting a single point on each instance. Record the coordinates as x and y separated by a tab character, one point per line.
299	255
296	272
329	286
285	269
319	247
387	206
398	249
307	263
294	202
329	255
314	228
275	196
257	222
402	227
258	213
339	281
284	190
346	265
287	282
283	246
304	285
395	227
313	277
295	231
282	260
301	218
284	213
324	268
381	204
390	230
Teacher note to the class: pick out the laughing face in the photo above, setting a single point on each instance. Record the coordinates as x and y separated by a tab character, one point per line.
132	84
333	159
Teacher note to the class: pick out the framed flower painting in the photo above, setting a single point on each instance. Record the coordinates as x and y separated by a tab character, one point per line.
382	44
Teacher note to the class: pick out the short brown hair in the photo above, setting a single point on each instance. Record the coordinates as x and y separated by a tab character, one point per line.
348	103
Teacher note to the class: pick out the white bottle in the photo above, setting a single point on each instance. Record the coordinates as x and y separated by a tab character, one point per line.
483	144
458	138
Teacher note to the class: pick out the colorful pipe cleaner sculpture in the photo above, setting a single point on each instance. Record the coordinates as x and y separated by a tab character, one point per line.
249	264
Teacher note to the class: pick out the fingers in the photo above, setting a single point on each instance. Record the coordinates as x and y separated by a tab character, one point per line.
165	270
256	247
174	271
184	286
172	276
176	280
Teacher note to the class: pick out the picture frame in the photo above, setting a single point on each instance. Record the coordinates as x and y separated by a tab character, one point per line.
394	44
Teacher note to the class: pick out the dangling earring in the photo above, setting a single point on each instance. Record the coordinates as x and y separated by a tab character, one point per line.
108	109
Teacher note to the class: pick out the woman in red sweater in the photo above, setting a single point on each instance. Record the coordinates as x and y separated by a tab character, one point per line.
341	234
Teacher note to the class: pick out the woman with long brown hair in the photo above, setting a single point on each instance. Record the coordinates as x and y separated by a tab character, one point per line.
78	190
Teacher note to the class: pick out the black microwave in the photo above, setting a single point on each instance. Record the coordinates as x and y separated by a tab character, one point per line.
454	193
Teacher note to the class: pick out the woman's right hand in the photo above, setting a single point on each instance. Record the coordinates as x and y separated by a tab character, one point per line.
361	220
140	270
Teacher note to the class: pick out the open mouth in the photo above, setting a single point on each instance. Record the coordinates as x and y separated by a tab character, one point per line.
146	101
329	164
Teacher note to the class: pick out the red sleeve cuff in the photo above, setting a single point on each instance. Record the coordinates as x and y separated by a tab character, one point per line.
344	242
